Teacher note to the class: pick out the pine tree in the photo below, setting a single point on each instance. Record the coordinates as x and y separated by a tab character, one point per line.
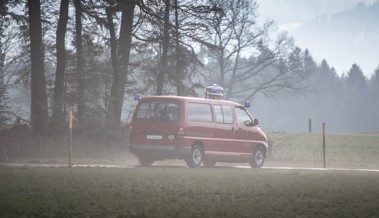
374	100
356	104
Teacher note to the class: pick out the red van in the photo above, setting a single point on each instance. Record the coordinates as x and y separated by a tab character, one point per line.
198	130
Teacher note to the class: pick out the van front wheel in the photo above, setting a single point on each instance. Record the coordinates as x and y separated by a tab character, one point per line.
258	158
196	157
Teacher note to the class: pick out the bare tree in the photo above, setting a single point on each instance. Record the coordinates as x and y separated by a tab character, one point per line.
248	60
171	40
271	73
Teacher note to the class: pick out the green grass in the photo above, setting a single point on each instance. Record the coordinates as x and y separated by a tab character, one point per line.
183	192
289	149
350	151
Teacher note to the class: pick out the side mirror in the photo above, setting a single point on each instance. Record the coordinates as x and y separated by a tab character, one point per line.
255	122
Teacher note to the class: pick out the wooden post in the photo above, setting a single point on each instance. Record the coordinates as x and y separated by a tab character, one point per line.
309	125
70	145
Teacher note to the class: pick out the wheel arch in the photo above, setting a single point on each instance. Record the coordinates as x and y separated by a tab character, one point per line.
199	143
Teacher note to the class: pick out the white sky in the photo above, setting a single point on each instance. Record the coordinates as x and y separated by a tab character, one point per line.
291	14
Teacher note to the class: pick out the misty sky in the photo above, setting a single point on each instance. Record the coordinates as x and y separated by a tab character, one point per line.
340	46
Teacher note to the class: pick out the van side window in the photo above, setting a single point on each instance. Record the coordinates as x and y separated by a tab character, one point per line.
228	114
158	110
218	113
199	112
223	114
243	117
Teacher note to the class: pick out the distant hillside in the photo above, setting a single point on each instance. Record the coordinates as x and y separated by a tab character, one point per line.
344	38
348	24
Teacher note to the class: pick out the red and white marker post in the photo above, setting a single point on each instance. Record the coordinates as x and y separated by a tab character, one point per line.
323	145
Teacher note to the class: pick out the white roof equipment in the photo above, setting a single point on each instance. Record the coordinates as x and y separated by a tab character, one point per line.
214	91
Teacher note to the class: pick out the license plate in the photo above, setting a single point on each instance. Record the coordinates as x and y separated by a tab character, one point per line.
154	137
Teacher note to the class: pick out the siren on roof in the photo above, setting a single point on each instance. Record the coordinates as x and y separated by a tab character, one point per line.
214	92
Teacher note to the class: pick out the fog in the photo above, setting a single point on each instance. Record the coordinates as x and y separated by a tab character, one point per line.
343	32
341	88
345	104
292	114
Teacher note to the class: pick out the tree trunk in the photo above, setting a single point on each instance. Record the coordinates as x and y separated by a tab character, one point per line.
80	63
179	71
111	114
39	111
58	113
120	62
2	62
166	41
2	54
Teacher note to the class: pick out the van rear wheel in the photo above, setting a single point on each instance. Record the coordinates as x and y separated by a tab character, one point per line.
145	160
196	157
209	163
258	158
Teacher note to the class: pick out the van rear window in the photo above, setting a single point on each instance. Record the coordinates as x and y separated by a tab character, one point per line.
158	110
199	112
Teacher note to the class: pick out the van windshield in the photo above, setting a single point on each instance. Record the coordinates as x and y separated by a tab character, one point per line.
158	110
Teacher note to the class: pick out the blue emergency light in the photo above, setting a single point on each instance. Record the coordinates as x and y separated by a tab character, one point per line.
137	97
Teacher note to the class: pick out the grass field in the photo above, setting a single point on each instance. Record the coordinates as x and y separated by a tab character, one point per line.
342	150
289	150
183	192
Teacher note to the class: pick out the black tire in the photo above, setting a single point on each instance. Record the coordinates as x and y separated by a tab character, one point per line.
209	163
258	158
145	160
196	157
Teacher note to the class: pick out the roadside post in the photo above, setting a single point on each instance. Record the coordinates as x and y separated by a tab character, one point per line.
70	144
309	125
323	145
